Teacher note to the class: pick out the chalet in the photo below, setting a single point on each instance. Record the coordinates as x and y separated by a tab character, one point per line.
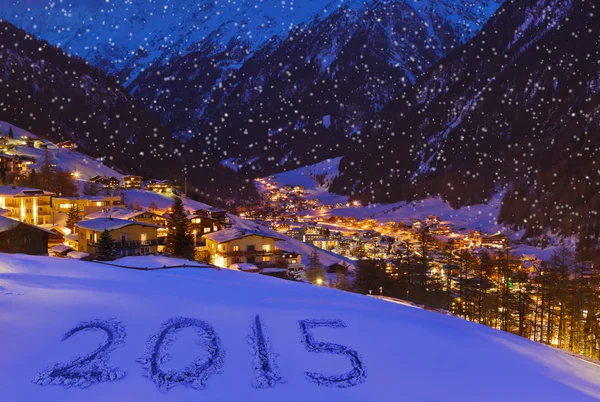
497	240
149	217
160	186
418	225
132	182
28	205
215	213
7	162
67	144
86	204
233	246
340	266
20	237
106	181
22	163
205	224
130	237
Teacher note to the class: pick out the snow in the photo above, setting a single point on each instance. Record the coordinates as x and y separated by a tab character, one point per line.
115	213
477	217
327	258
101	224
77	255
226	235
65	159
155	262
61	248
306	176
269	339
17	191
244	267
7	224
162	201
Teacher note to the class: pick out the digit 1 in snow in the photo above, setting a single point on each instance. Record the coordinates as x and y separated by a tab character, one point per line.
266	372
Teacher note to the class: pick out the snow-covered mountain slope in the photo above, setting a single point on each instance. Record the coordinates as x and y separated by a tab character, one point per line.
315	179
518	106
200	65
481	217
66	159
130	36
209	317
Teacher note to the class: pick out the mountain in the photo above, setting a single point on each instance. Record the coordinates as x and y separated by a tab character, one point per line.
200	333
516	107
270	85
61	97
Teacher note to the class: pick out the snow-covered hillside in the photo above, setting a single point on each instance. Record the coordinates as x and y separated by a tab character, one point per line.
66	159
228	333
482	217
314	178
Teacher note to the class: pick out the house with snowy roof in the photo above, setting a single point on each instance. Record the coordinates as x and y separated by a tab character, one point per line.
233	246
28	205
130	237
20	237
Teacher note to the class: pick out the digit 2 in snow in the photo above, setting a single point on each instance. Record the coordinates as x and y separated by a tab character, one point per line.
93	368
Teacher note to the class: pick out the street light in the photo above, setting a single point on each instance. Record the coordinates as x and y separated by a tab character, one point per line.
319	281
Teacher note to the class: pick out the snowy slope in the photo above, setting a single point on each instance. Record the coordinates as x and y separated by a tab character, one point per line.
66	159
400	353
315	179
478	217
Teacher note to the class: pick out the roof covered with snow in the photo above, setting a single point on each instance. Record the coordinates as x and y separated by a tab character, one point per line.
102	224
7	224
225	235
15	191
115	213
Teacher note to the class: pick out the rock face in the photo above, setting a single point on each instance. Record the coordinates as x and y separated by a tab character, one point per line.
517	107
268	85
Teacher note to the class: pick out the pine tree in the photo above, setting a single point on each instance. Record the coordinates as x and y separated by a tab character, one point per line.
47	172
62	182
179	241
73	216
106	247
314	268
11	134
153	206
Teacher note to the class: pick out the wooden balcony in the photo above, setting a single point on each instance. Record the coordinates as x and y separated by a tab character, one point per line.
135	243
251	253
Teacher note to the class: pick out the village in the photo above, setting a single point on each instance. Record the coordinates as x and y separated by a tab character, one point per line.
288	211
40	222
81	209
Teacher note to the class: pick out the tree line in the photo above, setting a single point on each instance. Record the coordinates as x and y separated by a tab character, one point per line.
556	303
